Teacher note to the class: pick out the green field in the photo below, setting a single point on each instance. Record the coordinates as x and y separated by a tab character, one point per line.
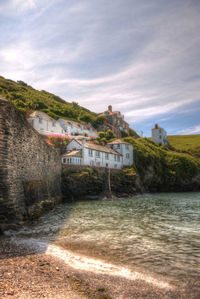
186	143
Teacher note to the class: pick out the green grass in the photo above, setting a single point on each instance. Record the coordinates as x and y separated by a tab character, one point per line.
186	143
23	96
164	165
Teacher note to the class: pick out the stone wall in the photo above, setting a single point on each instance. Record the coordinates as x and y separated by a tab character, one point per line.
30	170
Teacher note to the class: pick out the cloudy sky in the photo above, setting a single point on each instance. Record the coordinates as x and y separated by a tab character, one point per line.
141	56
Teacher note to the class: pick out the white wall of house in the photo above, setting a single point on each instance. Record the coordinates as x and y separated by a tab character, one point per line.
159	136
46	127
98	158
126	150
74	128
94	157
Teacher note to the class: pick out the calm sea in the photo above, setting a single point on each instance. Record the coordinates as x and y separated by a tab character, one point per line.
158	234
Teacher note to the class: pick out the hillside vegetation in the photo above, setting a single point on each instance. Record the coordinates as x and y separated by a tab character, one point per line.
186	143
23	96
162	168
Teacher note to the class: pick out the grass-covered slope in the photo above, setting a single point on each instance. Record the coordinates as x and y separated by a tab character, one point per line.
186	143
23	96
164	169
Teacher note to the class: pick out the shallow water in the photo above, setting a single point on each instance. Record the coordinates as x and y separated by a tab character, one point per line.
155	234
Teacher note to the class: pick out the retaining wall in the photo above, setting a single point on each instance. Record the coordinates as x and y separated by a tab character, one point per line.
30	170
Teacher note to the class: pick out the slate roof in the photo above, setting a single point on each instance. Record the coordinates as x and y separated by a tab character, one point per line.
75	153
97	147
118	141
40	114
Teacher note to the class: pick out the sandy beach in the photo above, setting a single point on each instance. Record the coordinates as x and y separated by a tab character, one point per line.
41	275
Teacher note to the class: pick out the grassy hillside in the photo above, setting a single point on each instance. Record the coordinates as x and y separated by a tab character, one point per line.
22	95
186	143
164	169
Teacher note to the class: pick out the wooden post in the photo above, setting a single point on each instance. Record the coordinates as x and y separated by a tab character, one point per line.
109	185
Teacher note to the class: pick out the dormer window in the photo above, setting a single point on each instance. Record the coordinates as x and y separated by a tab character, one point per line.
53	123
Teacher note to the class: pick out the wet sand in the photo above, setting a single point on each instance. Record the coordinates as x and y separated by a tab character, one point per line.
41	275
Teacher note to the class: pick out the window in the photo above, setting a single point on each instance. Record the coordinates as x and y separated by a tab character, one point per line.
160	131
53	123
40	120
127	156
160	137
127	147
64	161
115	158
118	158
90	153
97	163
118	146
115	166
97	154
106	156
92	163
106	164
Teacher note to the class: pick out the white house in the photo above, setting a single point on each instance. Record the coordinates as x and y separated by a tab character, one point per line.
125	149
115	155
159	135
84	152
44	124
73	128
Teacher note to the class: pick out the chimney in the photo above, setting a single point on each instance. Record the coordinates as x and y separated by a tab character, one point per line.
110	108
83	150
156	126
83	142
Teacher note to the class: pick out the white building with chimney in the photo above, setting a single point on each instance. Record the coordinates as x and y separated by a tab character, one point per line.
159	135
125	149
45	124
83	152
73	128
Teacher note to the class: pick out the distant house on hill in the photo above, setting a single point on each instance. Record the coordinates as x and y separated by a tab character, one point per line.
73	128
45	124
115	122
159	135
82	152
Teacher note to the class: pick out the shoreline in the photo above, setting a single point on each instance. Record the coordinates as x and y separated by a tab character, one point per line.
38	275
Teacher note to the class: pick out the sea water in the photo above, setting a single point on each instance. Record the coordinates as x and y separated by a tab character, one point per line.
156	235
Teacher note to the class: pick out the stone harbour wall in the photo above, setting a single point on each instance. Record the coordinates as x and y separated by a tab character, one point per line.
30	170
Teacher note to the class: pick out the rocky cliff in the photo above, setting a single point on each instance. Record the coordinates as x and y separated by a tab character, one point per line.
84	182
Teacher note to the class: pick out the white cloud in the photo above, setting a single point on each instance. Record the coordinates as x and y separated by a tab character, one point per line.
143	58
24	4
192	130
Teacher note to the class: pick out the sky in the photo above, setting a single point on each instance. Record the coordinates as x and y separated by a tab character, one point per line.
140	56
